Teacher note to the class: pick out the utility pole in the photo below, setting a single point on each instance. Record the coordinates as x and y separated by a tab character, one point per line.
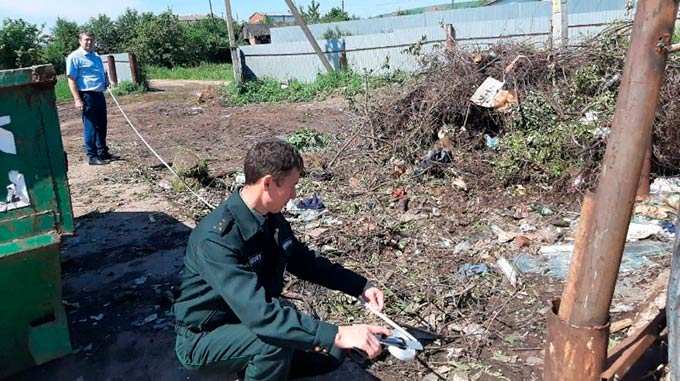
309	35
578	326
343	6
560	23
233	49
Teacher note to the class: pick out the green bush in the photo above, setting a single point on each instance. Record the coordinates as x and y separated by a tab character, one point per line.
20	44
272	91
127	87
306	139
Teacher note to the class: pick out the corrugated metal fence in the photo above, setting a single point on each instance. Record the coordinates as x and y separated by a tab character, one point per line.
379	45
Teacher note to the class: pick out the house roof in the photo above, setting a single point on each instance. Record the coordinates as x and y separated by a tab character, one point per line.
256	30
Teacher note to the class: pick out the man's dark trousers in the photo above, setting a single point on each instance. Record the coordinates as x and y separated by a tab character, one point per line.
94	124
232	348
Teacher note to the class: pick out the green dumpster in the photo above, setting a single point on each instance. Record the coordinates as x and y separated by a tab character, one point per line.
35	208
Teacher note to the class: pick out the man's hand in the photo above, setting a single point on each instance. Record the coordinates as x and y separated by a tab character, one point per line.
374	297
361	337
79	104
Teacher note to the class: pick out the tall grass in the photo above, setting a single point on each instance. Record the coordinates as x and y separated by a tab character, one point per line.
205	71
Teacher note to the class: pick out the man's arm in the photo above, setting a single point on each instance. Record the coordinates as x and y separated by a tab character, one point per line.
76	94
240	288
271	322
72	74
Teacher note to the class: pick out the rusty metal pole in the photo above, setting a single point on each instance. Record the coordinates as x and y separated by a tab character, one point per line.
575	349
643	185
134	68
111	69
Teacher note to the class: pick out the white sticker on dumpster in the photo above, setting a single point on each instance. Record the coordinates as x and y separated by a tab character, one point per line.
17	193
7	143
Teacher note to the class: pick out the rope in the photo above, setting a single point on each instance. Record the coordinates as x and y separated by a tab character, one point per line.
209	205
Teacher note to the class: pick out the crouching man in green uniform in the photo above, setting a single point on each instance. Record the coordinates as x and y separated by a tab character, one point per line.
229	316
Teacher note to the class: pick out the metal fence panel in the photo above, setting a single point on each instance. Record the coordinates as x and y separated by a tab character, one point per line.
524	10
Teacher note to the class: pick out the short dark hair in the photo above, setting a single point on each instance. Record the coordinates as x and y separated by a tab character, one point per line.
271	157
85	33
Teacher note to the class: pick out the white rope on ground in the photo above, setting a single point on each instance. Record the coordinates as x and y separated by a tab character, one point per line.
209	205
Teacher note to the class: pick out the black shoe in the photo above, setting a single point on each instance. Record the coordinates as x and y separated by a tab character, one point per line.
96	161
108	156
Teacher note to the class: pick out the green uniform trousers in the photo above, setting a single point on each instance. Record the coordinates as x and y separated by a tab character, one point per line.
233	348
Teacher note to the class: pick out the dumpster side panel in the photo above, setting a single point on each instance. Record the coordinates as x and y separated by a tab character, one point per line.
33	325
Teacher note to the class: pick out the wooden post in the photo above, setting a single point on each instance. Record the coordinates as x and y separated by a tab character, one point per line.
309	35
560	23
134	68
111	69
450	37
233	48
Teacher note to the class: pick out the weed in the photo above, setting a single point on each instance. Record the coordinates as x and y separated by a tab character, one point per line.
127	87
346	83
306	139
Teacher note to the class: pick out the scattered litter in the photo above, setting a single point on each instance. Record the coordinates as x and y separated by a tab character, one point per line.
141	280
665	185
311	203
642	230
150	318
503	236
69	304
88	348
522	241
97	317
509	270
459	183
471	329
534	361
462	247
468	269
486	93
591	117
305	215
491	142
554	260
316	233
152	218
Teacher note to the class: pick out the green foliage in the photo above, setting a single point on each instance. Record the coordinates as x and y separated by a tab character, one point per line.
161	41
61	90
334	34
312	14
205	71
208	40
128	24
336	14
64	40
306	139
20	44
272	91
106	34
127	87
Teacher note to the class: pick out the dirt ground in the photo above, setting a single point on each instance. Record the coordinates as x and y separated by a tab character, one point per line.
120	267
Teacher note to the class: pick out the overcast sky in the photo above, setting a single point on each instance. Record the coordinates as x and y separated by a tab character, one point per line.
47	11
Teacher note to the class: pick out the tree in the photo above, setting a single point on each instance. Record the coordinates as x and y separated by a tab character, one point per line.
208	40
105	32
63	41
20	44
336	14
312	15
162	41
128	24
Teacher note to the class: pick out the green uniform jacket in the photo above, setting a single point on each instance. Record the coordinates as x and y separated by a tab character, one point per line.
233	274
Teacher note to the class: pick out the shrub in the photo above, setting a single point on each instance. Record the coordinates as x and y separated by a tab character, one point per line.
20	44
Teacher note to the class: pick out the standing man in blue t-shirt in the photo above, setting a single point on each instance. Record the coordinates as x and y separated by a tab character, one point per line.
88	81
